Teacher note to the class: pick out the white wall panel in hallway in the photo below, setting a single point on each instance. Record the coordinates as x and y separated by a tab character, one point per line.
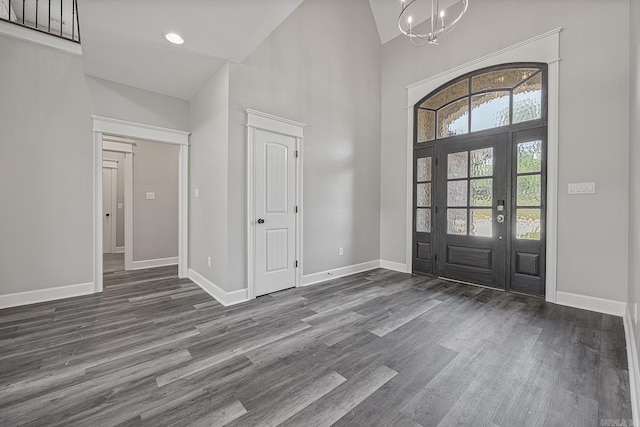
155	220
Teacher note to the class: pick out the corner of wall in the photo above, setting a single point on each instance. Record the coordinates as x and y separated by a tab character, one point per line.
223	297
208	218
634	365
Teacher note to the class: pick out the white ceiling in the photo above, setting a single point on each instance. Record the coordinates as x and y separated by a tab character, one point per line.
123	40
386	13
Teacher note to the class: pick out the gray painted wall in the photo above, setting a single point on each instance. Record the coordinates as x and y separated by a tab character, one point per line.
45	239
208	173
634	163
118	101
155	222
46	150
594	127
320	67
119	157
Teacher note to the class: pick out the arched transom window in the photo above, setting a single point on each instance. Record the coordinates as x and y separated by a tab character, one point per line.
485	99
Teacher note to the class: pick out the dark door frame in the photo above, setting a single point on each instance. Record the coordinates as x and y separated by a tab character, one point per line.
543	48
436	236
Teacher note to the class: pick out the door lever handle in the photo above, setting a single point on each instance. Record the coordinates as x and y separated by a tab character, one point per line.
260	221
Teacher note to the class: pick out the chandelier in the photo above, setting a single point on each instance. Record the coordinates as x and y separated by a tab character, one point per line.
438	24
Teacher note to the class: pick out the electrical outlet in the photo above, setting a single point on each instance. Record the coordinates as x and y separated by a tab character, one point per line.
209	261
341	252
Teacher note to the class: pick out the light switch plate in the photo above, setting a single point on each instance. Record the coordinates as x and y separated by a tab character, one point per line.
151	195
582	188
197	192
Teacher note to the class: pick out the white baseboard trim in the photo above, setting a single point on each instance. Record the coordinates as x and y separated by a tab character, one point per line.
395	266
634	365
150	263
322	276
42	295
223	297
600	305
119	250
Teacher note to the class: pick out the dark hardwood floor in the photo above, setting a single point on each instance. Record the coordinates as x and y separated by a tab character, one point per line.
112	263
374	349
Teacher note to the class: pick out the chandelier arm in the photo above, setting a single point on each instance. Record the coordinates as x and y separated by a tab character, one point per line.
433	13
465	3
416	44
432	37
406	30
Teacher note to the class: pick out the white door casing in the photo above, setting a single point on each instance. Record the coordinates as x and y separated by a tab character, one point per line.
275	217
125	130
274	194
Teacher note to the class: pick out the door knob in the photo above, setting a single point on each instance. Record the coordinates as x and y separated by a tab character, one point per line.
500	218
260	221
107	214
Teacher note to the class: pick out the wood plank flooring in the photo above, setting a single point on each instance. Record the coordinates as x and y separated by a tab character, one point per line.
112	263
374	349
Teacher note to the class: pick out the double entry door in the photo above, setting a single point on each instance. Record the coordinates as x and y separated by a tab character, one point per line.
479	210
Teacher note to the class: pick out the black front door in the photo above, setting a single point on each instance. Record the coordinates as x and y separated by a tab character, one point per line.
472	203
480	209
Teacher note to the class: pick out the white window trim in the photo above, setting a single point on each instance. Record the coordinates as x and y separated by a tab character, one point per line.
543	48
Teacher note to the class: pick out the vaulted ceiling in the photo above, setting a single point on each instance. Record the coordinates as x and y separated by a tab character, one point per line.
123	40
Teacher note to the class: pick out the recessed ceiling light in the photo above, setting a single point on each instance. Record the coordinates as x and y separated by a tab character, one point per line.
174	38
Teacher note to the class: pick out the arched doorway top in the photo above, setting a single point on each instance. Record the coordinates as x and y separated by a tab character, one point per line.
488	98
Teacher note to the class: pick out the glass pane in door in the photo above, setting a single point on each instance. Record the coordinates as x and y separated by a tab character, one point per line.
527	100
424	169
489	110
457	165
457	193
481	192
423	196
453	119
528	224
482	162
481	223
423	220
530	157
529	190
426	125
457	221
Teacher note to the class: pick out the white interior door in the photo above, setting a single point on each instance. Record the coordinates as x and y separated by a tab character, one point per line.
275	216
107	215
